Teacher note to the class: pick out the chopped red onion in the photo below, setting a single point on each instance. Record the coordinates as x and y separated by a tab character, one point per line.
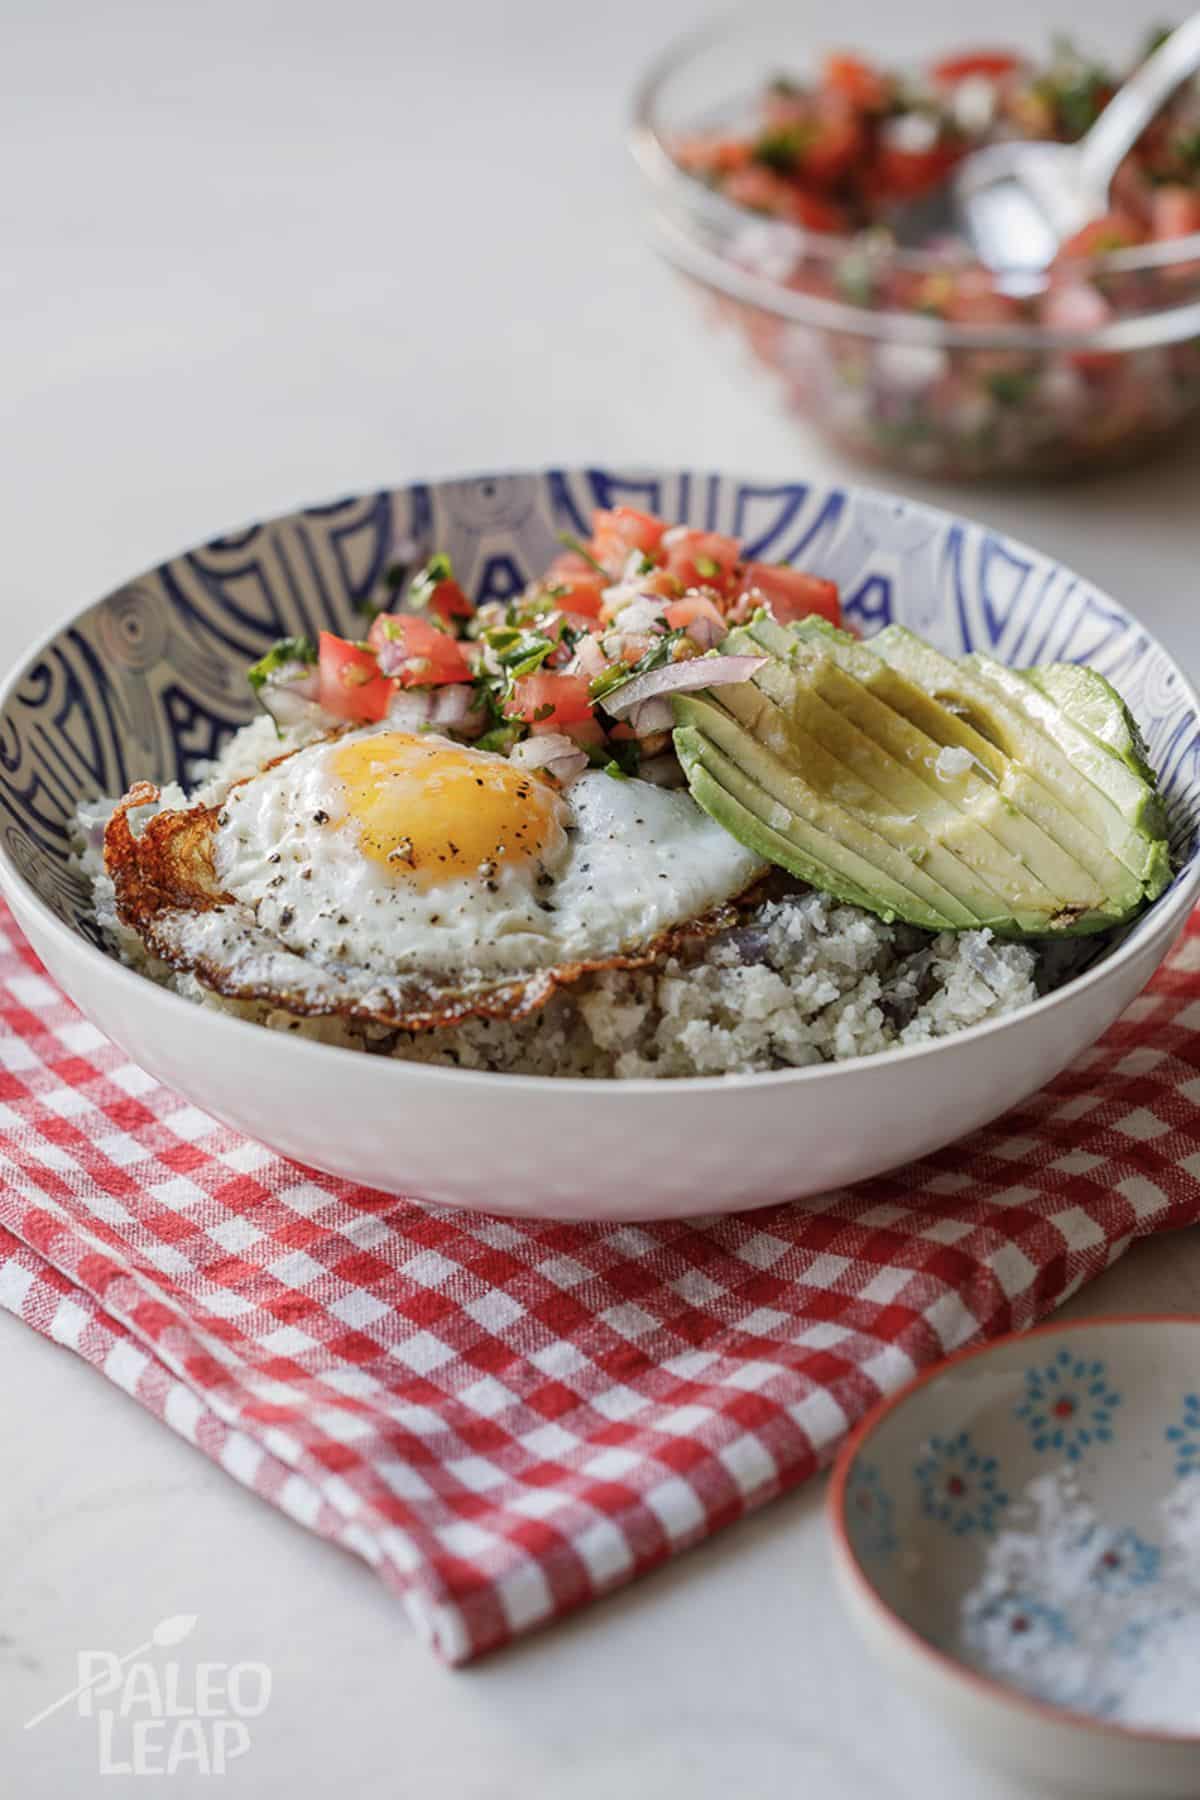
589	659
680	678
642	613
706	632
454	708
392	655
652	715
554	752
410	708
292	702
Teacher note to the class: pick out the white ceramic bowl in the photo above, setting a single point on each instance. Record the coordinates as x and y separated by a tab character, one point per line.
925	1485
149	681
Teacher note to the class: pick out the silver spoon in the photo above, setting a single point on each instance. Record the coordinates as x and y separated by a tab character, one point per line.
1017	203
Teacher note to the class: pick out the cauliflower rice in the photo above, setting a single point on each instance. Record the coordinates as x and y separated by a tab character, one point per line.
803	979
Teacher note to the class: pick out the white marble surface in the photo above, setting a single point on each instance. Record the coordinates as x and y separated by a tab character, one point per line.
256	255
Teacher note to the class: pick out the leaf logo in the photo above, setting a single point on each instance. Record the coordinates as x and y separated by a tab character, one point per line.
166	1632
173	1630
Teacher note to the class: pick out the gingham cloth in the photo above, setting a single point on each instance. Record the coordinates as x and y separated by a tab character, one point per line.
506	1419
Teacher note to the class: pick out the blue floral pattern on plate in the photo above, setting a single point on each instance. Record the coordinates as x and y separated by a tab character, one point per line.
1185	1436
1068	1405
871	1512
959	1485
1126	1561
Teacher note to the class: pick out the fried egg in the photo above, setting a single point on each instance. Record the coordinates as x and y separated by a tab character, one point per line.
412	880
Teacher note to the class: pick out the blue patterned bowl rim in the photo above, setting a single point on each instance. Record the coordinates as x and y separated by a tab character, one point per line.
149	680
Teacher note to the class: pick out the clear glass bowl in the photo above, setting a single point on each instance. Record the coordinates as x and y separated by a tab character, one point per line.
839	320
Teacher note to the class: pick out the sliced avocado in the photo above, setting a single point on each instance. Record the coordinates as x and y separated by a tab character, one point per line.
917	787
1029	732
768	826
993	791
1011	873
847	845
1128	793
817	717
1096	707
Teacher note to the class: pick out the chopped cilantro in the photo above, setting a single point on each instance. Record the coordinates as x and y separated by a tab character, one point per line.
426	581
534	651
660	652
502	638
626	754
281	654
518	652
500	739
1075	89
1010	386
781	149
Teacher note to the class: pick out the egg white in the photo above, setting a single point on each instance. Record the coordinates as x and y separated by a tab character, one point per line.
630	861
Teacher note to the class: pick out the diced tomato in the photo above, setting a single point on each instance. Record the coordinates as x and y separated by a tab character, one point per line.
993	65
763	190
704	559
683	613
906	174
974	299
816	213
1175	212
792	593
584	592
1114	231
587	733
550	699
413	650
862	85
712	155
584	583
448	601
351	686
615	533
836	142
631	646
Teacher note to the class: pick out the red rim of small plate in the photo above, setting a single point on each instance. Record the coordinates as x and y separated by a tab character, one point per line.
835	1510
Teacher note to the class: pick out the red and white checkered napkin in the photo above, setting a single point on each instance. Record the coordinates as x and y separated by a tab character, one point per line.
507	1419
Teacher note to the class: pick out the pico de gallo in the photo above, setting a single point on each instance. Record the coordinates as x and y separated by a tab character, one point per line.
834	159
840	153
576	672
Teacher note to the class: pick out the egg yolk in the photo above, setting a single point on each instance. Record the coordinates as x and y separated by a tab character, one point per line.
434	812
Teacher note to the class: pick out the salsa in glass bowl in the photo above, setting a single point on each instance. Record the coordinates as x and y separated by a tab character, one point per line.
776	191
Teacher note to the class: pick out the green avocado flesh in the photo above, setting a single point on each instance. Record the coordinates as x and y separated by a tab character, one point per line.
952	795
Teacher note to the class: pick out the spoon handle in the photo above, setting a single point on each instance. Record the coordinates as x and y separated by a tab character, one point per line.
1134	104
